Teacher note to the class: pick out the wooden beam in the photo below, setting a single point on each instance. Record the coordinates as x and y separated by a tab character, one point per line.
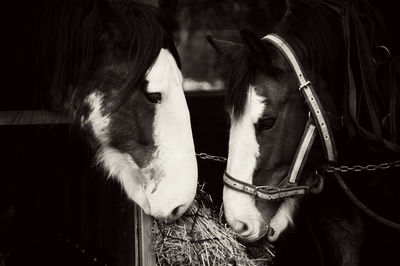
32	117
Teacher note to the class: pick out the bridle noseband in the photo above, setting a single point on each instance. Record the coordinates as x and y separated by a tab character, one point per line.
264	192
317	121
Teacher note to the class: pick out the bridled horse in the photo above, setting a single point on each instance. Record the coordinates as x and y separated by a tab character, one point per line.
113	67
318	95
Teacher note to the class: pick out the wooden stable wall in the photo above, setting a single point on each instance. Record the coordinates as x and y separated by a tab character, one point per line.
58	209
63	211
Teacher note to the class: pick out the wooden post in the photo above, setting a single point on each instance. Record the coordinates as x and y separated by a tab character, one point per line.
144	244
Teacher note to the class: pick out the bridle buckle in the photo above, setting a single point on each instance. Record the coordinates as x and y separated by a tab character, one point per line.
306	84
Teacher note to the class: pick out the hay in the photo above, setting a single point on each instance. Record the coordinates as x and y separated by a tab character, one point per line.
201	238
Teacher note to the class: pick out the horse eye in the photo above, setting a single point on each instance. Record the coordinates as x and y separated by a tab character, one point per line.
153	97
265	123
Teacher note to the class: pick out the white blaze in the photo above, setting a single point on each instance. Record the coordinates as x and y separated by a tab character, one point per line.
243	152
175	155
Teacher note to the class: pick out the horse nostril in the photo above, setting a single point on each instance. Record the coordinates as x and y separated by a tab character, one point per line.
241	228
175	211
271	232
272	235
244	228
175	214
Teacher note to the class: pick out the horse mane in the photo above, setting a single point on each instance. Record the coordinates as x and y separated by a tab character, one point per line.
241	76
317	26
337	39
76	38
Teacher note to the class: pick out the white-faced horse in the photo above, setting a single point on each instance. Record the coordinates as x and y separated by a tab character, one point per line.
325	76
114	68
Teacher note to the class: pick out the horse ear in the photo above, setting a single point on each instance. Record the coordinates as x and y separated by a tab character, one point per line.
225	48
262	53
253	43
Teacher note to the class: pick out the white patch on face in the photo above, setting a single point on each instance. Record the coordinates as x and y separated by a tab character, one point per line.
174	162
243	153
97	120
282	218
117	164
243	145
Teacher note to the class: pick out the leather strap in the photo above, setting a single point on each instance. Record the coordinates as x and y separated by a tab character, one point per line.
288	187
368	91
312	100
264	192
301	155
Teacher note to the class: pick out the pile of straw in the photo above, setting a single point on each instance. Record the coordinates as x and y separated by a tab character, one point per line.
201	238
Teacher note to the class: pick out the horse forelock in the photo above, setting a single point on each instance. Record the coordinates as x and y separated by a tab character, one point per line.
242	75
146	34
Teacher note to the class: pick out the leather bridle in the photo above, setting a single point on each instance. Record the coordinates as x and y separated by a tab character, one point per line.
317	121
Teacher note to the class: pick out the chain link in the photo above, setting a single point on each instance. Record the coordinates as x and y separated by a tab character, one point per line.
359	168
329	169
206	156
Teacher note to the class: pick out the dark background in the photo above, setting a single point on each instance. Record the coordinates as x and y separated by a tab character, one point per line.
54	202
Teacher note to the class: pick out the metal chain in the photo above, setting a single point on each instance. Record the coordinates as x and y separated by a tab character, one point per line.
206	156
329	169
359	168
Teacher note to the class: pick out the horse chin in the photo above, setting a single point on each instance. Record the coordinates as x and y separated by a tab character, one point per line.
254	238
282	218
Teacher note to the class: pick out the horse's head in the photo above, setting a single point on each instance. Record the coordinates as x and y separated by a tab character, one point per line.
133	107
268	118
288	90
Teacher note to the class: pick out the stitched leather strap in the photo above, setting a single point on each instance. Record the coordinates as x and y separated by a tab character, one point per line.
301	155
310	96
264	192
